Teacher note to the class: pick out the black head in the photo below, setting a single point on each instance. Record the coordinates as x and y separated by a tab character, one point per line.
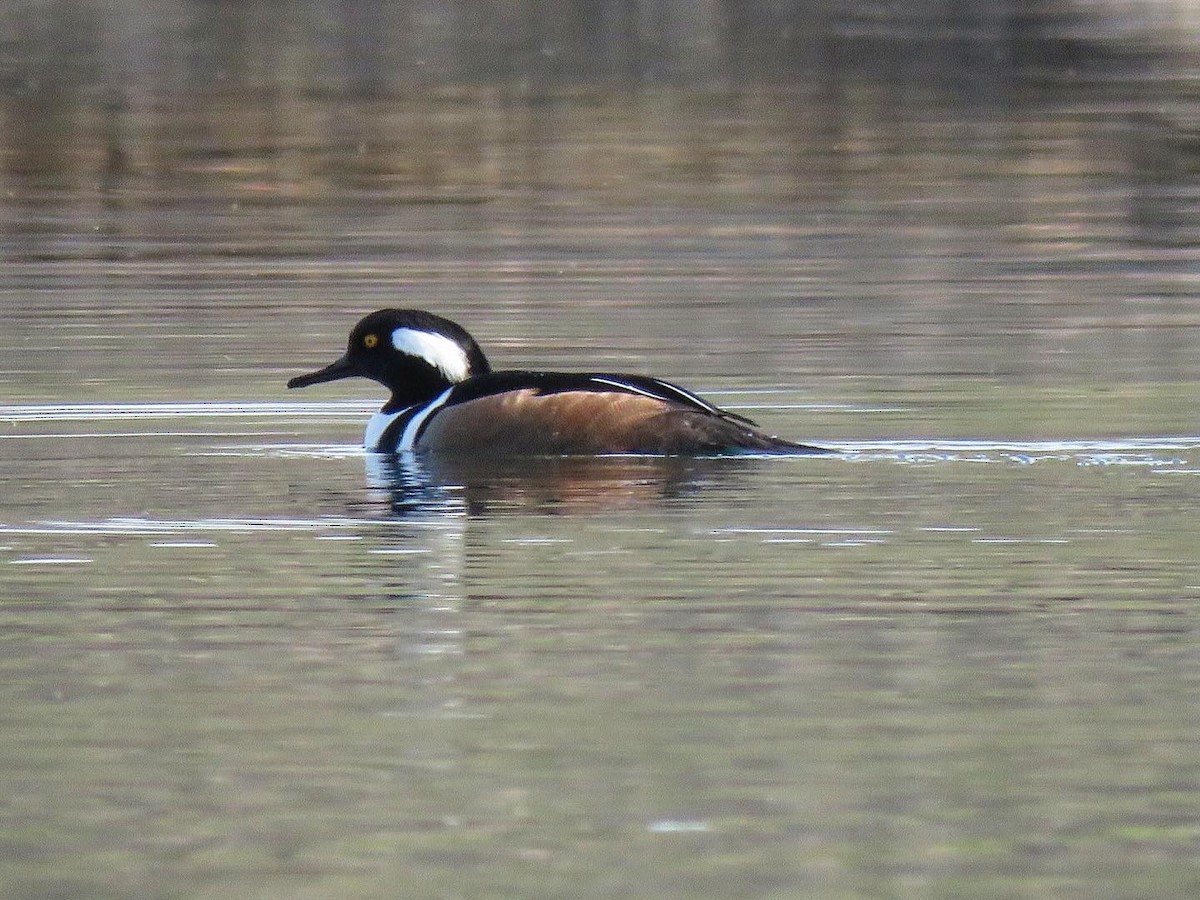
415	354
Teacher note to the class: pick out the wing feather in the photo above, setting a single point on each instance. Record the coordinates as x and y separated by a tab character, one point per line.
529	421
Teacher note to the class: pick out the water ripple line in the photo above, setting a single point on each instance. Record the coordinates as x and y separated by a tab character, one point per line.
88	412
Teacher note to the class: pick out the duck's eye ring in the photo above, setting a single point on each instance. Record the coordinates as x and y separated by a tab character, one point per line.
371	341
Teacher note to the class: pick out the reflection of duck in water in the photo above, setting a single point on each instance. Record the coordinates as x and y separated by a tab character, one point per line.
447	400
409	483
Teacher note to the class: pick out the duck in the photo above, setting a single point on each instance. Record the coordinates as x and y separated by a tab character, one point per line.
447	400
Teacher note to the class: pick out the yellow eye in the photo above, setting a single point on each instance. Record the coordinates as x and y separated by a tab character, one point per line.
370	341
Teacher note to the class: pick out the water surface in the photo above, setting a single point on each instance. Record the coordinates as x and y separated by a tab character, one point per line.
234	660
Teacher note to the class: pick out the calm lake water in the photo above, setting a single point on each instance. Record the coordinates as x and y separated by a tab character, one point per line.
957	658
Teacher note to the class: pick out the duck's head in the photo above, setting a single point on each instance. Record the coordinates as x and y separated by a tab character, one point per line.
415	354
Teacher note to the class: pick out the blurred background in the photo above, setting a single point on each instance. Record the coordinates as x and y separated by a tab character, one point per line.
994	190
957	238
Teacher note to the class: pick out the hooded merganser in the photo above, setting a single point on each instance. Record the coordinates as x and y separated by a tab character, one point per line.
446	399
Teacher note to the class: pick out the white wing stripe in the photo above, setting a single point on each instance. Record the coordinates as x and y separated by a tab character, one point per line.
627	388
665	386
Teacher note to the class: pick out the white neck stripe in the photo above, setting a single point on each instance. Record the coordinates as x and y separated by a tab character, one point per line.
376	426
413	428
436	349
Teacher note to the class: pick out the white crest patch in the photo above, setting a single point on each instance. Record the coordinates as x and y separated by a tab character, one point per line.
436	349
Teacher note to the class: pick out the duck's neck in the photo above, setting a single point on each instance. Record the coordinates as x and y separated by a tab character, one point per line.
415	392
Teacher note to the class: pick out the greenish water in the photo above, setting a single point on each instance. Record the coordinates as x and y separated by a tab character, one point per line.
243	665
955	659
